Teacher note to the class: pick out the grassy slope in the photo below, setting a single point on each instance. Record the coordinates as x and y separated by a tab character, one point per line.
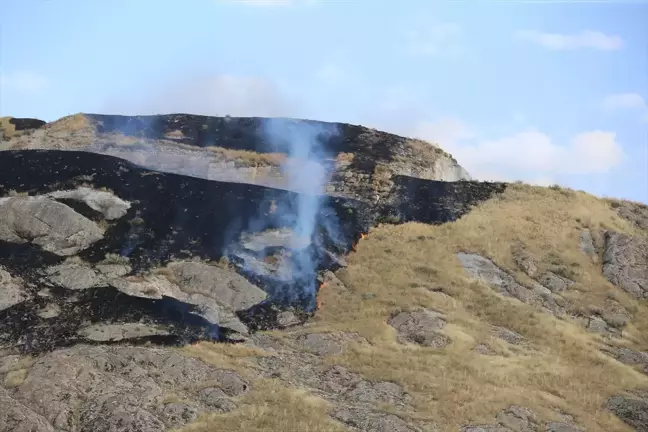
562	367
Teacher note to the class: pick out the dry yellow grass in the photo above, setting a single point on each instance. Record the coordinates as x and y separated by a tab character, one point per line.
272	407
8	129
564	368
15	377
561	368
71	123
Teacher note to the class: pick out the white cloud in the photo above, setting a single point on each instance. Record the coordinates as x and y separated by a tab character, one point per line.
23	82
215	95
564	42
622	101
529	155
435	40
626	102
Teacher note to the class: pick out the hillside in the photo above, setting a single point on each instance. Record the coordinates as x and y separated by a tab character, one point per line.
141	299
232	149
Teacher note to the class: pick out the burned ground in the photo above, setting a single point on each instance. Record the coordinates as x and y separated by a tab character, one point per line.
174	218
445	306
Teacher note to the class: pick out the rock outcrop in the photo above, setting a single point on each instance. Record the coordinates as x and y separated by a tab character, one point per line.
221	148
102	388
625	263
52	226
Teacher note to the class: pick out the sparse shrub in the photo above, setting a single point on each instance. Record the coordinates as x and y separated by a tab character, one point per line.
14	193
15	378
113	258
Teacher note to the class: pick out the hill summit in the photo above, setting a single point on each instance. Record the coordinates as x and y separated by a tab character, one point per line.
194	273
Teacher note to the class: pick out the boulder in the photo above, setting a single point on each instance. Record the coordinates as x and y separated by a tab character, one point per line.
625	263
632	408
11	290
107	203
49	224
420	327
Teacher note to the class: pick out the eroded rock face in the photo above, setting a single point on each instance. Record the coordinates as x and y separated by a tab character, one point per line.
51	225
625	263
216	292
420	327
358	419
632	408
102	388
11	290
107	203
478	267
587	246
517	418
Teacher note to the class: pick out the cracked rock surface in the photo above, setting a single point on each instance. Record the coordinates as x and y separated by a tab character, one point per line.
102	388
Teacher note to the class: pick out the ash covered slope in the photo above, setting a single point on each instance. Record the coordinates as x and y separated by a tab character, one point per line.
232	149
97	252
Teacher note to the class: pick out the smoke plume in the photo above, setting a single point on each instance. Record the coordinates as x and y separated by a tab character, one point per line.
293	233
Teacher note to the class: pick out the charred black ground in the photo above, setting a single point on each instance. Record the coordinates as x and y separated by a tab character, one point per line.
176	217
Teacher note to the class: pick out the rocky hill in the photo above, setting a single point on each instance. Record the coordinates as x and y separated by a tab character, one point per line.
358	293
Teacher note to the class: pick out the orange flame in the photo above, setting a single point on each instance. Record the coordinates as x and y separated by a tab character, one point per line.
318	301
362	236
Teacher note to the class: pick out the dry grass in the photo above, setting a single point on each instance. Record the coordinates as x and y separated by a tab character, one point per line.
227	356
71	123
15	378
8	128
414	265
561	369
248	158
272	407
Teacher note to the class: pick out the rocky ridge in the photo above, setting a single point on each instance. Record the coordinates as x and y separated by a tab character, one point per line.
107	268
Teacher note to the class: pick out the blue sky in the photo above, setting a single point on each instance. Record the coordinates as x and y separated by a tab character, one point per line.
545	92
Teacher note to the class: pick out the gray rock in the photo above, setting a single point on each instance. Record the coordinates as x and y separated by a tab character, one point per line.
379	392
478	267
372	421
628	356
51	225
287	319
420	327
635	212
16	417
119	413
555	283
625	263
484	349
324	344
586	243
201	291
177	414
631	408
51	310
596	324
562	427
117	332
74	276
107	203
225	286
217	400
117	388
518	419
338	379
12	291
524	260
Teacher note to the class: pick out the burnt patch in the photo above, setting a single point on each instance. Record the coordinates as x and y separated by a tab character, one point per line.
26	123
